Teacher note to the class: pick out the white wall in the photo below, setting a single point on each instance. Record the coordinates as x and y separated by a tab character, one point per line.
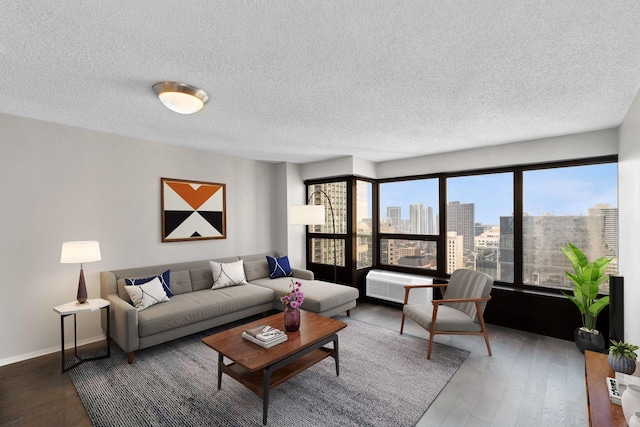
583	145
629	218
61	183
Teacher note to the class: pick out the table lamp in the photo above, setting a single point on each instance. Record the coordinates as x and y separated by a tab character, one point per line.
80	252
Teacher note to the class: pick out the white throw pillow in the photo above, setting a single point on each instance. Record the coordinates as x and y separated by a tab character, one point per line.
147	294
227	274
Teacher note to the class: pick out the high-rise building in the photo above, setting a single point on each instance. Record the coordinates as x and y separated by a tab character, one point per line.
393	213
322	250
455	255
430	223
460	218
417	219
543	262
610	216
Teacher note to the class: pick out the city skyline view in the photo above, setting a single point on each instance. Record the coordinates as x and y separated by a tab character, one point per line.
559	191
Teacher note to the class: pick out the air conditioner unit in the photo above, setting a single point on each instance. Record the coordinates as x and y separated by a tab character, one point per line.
389	285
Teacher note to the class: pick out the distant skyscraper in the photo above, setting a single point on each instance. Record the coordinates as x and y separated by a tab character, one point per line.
417	219
610	217
455	257
430	224
460	218
543	262
393	213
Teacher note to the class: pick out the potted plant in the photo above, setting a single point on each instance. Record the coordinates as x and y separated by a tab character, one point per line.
622	357
587	278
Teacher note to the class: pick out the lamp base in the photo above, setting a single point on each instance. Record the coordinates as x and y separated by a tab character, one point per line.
82	303
82	290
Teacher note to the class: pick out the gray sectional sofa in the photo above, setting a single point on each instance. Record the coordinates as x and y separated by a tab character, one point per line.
196	307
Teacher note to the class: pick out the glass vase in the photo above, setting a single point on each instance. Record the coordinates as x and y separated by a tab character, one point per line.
291	319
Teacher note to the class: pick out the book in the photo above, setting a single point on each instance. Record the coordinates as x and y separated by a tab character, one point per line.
266	344
265	333
615	394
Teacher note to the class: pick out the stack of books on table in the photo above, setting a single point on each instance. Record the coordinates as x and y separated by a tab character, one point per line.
265	336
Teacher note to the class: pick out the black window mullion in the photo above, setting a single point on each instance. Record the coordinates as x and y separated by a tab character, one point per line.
518	212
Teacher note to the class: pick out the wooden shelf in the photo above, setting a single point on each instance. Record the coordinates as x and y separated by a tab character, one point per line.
254	380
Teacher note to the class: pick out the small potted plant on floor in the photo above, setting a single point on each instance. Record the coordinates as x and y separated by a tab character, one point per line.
587	278
622	357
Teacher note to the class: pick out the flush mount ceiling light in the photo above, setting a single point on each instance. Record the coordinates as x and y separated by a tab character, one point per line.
181	97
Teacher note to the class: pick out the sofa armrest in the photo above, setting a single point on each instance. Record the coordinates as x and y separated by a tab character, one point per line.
301	273
124	323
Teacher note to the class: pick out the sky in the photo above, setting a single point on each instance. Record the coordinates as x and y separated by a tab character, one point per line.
558	191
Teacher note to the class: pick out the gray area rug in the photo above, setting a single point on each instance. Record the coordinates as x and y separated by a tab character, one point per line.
385	380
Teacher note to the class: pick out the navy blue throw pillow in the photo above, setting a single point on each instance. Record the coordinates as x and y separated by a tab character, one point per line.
164	279
279	267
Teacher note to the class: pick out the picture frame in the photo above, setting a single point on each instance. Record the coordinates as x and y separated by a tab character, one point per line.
192	210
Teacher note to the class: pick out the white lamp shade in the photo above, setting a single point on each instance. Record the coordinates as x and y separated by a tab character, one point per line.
79	252
306	215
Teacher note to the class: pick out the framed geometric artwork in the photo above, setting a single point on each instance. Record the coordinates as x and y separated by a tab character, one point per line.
193	210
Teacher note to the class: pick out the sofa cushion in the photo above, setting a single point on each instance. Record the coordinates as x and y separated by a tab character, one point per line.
319	296
227	274
165	280
258	269
201	278
193	307
180	282
147	294
279	267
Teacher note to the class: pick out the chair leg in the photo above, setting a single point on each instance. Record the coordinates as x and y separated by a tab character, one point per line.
484	328
402	324
432	329
130	357
348	313
430	346
486	340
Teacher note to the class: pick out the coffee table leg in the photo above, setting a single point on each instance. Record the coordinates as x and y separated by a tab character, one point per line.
266	386
220	360
335	355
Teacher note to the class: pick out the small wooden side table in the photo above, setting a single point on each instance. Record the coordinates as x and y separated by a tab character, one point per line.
71	308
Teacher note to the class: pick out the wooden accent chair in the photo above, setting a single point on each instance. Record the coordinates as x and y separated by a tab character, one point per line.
459	312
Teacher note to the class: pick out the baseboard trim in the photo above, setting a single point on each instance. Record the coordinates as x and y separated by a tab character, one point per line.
45	351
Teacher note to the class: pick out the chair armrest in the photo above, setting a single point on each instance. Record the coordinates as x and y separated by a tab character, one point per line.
124	323
440	301
407	289
301	273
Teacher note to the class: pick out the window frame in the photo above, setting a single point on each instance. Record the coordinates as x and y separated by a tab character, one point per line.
518	212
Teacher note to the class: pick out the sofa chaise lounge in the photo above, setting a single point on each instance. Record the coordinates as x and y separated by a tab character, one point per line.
196	307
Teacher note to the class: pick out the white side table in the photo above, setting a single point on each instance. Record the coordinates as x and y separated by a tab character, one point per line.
71	308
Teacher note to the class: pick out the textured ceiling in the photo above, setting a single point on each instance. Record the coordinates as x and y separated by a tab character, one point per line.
301	81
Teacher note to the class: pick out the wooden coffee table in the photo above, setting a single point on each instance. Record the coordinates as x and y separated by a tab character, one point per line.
261	369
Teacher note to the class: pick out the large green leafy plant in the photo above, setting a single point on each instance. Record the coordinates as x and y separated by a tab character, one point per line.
587	278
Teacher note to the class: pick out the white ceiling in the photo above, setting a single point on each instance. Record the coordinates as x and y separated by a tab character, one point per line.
302	81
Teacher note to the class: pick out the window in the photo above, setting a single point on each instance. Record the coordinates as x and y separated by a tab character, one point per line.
364	224
336	198
409	207
328	245
322	251
409	223
563	205
409	253
478	206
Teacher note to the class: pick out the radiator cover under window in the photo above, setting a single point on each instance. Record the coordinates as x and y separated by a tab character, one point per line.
389	285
